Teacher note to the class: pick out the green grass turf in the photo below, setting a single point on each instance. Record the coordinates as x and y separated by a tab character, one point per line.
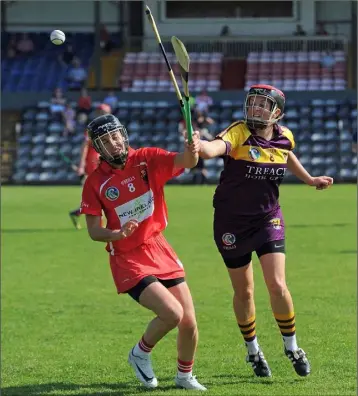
66	332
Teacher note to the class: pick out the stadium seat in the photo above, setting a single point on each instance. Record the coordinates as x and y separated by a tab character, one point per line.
42	71
322	128
147	72
297	71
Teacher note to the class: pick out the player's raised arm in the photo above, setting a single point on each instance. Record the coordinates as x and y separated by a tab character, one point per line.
189	157
215	148
295	166
100	234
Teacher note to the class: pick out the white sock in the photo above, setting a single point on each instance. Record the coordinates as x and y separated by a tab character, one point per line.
139	352
182	375
185	369
253	347
141	349
290	343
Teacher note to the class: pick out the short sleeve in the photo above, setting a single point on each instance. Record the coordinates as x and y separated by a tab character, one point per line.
230	137
90	203
289	135
161	165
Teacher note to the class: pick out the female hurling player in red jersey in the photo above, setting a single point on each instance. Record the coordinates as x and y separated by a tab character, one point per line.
128	187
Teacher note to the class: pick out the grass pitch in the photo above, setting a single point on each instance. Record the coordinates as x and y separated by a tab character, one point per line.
65	331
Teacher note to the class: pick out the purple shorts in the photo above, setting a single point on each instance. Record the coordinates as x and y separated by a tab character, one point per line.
239	236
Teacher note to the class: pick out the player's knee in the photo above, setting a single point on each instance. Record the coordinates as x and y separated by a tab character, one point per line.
244	294
277	288
173	316
188	323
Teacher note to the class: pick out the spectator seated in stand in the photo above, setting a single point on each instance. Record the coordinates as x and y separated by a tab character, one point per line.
105	39
77	75
11	47
25	45
204	122
67	56
84	103
69	119
58	102
111	99
203	102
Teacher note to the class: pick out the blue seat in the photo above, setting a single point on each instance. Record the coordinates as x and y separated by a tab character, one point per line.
317	102
317	112
32	177
136	104
330	111
39	138
317	161
303	136
329	125
318	137
35	163
38	151
226	103
133	126
148	105
163	104
292	125
331	136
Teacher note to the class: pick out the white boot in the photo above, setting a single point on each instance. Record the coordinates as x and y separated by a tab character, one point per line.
143	369
189	382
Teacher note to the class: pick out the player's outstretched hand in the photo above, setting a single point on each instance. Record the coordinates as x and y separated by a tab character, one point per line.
321	182
194	147
128	229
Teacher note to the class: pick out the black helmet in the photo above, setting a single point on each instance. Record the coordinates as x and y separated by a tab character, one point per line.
109	138
272	94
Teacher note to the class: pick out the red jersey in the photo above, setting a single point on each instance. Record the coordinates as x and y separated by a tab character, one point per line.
133	193
92	157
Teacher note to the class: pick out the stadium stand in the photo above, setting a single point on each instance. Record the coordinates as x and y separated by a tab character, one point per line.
147	72
323	132
298	71
41	70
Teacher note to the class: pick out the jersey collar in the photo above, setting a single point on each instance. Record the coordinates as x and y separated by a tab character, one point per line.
277	131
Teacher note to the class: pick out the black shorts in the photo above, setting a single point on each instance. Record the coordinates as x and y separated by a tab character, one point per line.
136	291
268	247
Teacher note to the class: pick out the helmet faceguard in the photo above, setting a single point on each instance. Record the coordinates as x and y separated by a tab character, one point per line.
109	138
261	104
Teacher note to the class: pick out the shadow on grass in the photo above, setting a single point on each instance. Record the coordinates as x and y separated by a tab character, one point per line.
227	379
126	389
232	379
57	388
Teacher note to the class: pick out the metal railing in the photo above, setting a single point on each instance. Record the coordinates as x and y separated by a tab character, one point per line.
242	46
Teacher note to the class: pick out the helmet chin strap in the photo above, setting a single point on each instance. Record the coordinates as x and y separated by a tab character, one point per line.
121	160
260	124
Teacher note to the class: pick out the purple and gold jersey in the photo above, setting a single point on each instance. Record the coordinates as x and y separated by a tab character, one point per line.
254	168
